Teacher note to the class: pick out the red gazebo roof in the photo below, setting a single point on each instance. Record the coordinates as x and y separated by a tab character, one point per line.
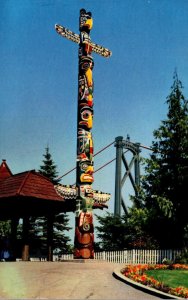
26	184
5	172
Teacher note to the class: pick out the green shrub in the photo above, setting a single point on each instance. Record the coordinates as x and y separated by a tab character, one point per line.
182	258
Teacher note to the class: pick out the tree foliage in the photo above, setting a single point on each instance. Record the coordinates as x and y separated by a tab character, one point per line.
48	168
158	217
5	228
124	232
61	241
38	229
38	234
166	173
111	232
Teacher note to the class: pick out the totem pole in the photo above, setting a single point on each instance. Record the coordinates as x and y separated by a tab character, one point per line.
84	229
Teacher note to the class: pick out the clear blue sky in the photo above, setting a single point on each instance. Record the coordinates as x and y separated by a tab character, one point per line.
38	75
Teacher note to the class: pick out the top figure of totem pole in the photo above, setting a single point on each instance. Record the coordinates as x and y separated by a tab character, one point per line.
84	228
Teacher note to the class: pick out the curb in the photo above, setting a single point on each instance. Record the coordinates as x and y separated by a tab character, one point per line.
118	275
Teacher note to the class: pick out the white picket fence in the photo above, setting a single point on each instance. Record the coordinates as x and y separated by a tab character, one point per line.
131	256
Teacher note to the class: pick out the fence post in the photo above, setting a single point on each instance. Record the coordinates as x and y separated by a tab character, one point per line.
133	257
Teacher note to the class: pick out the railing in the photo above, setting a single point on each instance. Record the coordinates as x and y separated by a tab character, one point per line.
64	257
131	256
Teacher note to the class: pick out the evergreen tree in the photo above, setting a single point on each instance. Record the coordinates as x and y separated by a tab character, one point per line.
48	168
166	176
5	228
124	232
140	236
112	232
61	241
38	229
159	218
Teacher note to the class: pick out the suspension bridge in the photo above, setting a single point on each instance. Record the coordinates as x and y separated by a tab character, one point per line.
127	155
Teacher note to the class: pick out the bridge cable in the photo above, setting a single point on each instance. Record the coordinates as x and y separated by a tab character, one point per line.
142	146
106	164
93	156
109	162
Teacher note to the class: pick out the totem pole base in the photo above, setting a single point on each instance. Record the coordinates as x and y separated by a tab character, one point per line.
84	236
83	254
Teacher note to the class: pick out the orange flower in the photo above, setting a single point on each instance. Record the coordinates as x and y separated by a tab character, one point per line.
137	274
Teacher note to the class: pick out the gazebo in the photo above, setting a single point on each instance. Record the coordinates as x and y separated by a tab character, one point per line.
30	194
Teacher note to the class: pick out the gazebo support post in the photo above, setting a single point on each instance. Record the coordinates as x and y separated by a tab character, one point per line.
25	238
14	225
50	220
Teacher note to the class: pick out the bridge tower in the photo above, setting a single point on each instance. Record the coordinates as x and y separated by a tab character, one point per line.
133	165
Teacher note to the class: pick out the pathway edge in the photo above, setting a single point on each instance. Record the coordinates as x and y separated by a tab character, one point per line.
118	275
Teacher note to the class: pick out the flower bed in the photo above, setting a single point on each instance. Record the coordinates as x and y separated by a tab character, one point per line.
136	273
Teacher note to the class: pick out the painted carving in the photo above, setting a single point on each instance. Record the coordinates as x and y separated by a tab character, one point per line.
85	171
86	195
70	35
89	197
86	198
66	191
84	236
85	92
84	145
84	231
86	117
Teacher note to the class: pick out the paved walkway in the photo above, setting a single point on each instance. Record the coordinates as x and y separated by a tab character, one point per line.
64	280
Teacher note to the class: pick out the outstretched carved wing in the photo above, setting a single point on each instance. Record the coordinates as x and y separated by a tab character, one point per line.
76	39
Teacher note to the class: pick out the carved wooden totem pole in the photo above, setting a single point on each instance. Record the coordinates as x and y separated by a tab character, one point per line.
84	229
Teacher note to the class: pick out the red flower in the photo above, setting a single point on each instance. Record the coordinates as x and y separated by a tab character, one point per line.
137	274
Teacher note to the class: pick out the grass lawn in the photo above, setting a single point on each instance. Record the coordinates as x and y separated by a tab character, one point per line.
172	278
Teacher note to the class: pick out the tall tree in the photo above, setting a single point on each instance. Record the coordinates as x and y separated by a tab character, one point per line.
159	218
125	232
49	169
61	241
60	225
112	232
166	177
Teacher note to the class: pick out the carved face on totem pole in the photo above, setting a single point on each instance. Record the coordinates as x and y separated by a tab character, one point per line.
86	194
84	145
86	171
86	24
86	117
86	82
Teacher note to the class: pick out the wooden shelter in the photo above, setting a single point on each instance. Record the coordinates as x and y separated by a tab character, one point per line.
29	194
